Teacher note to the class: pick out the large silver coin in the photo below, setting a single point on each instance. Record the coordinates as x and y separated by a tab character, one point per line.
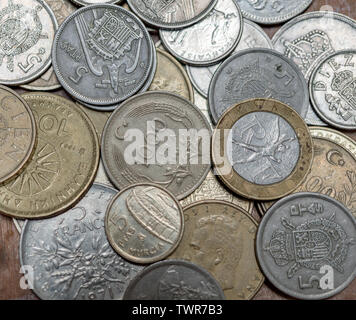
102	54
306	246
272	12
171	14
257	73
70	255
174	280
210	40
27	29
90	2
310	38
253	36
332	90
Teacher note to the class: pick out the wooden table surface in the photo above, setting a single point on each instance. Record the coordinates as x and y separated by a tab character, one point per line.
9	237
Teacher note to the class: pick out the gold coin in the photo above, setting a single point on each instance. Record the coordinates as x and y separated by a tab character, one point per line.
333	172
63	165
262	149
220	237
17	133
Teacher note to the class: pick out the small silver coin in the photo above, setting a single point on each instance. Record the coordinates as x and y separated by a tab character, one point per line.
90	2
306	246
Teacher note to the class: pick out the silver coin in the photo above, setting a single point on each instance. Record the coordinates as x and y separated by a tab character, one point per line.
102	54
306	246
272	12
310	38
257	73
27	29
171	14
70	255
253	36
209	41
174	280
332	90
90	2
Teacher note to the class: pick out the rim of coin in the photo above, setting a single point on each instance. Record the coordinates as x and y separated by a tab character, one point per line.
174	25
34	88
259	246
242	186
83	2
122	252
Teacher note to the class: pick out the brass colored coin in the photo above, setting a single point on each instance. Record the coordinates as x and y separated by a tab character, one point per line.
63	165
220	237
333	172
17	133
262	149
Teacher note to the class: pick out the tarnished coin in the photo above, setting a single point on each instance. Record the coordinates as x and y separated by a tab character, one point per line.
306	246
102	54
209	41
262	149
332	90
89	2
257	73
17	133
312	37
63	164
27	29
171	14
174	280
70	255
144	223
253	36
220	237
157	137
272	12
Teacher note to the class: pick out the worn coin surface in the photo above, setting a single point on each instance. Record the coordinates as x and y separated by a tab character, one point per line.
209	41
220	237
174	280
332	90
143	142
17	133
89	2
102	54
144	223
272	12
306	246
63	164
257	73
312	37
262	149
171	14
27	29
253	36
70	255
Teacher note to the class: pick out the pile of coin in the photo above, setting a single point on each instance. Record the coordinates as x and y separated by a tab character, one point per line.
132	184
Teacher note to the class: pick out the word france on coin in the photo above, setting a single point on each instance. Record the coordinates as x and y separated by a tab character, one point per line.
27	29
63	164
144	223
71	258
306	246
174	280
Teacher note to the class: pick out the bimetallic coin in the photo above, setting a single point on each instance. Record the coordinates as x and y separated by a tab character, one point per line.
257	73
262	149
172	14
102	54
253	36
174	280
209	41
90	2
144	141
17	133
70	255
27	29
144	223
220	237
272	12
306	246
332	91
63	164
